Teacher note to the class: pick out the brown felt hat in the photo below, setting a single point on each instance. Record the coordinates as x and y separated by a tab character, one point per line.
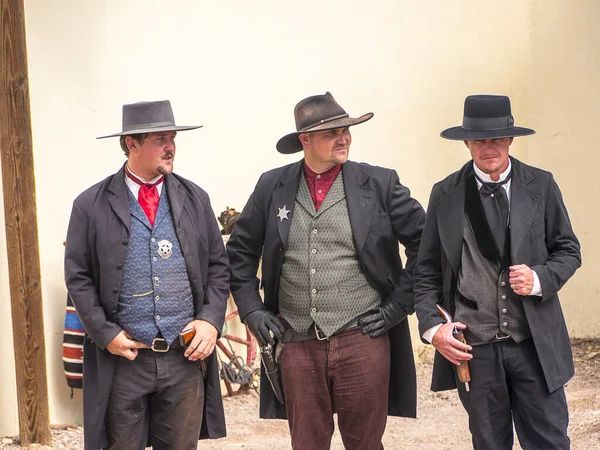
148	117
317	113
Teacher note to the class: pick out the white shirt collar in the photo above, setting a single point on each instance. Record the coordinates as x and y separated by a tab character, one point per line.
487	179
135	188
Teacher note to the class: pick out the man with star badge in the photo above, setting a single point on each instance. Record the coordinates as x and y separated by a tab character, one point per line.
336	295
144	261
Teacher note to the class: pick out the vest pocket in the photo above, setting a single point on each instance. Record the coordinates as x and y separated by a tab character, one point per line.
352	284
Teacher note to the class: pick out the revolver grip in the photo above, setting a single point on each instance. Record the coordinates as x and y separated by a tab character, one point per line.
464	375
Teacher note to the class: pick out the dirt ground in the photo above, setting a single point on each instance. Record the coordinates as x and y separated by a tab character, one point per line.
442	422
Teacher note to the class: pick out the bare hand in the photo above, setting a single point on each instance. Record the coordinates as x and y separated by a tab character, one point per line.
521	279
204	341
124	345
450	347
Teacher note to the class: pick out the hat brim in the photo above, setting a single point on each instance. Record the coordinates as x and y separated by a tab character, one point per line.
291	144
460	134
152	130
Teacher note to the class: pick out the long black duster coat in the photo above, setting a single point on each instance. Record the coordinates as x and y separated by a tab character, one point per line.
382	213
95	252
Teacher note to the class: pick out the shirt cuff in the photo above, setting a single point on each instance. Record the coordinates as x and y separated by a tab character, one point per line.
429	334
537	287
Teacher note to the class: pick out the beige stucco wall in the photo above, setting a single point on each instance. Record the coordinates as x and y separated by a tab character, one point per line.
240	67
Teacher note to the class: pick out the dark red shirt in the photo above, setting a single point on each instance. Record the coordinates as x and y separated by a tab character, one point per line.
319	184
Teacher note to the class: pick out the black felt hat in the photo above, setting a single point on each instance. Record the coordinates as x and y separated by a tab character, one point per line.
486	117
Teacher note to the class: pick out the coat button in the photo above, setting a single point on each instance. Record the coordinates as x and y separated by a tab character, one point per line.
119	266
115	290
125	241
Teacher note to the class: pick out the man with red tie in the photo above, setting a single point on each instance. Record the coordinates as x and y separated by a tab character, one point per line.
144	260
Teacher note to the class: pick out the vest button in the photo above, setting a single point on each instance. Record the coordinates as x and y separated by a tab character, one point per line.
313	309
504	310
125	241
504	297
157	317
314	291
315	231
312	270
153	239
504	324
115	290
119	266
313	251
503	284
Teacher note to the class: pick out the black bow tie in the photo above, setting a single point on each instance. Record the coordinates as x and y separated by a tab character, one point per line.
489	188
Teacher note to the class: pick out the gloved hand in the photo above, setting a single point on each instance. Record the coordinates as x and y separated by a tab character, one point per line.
261	322
381	318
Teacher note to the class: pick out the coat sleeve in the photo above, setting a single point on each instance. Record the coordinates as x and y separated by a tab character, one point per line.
564	256
82	282
217	286
408	219
428	272
245	248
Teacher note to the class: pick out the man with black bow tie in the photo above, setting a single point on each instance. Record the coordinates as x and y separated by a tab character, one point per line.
497	247
145	260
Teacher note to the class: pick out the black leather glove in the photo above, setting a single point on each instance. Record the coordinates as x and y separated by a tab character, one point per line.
380	319
261	322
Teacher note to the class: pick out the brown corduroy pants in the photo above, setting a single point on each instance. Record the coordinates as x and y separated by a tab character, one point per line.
347	374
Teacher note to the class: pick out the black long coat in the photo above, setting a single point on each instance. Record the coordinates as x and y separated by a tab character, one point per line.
541	237
95	252
381	214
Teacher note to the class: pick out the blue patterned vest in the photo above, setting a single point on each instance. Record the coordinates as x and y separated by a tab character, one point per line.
155	293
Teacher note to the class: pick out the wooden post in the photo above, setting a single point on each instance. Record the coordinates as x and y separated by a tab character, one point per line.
18	182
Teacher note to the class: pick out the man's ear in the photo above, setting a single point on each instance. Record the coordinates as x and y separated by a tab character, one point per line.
467	144
304	138
131	143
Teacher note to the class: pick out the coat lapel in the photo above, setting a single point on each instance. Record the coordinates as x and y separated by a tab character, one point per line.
176	197
359	199
119	202
284	198
523	203
450	216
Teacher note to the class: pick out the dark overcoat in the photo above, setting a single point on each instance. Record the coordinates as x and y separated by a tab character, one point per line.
541	237
95	252
381	213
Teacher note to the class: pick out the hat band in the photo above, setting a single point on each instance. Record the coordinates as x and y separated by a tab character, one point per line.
329	119
138	126
487	123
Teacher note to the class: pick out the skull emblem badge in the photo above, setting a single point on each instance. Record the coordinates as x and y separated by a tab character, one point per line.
165	249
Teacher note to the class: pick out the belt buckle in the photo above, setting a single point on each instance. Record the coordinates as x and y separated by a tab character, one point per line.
502	336
163	347
318	332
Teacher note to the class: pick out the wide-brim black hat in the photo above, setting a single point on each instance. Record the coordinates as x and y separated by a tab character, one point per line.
317	113
486	117
149	117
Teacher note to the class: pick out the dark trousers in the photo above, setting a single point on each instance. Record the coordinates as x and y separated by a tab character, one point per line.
507	384
348	375
159	396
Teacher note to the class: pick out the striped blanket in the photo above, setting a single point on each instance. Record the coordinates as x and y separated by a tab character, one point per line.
73	347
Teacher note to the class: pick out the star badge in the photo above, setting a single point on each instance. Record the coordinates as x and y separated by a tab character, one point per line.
283	213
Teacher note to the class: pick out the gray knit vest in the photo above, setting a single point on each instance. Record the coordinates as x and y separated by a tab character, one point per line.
481	282
321	279
155	294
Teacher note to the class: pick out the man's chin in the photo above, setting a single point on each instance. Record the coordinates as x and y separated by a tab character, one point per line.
165	169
